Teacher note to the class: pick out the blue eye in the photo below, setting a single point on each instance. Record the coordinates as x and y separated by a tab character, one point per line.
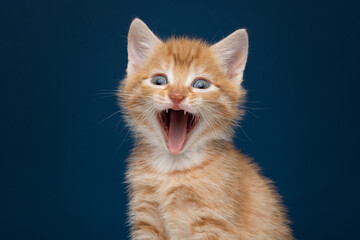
201	84
159	80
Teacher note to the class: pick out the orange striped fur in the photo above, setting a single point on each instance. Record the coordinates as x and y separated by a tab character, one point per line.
209	190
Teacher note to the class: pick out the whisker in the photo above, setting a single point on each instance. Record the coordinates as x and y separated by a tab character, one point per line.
105	93
245	133
251	113
253	108
209	124
108	96
219	119
147	112
113	114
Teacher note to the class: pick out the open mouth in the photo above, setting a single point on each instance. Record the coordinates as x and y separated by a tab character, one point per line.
176	126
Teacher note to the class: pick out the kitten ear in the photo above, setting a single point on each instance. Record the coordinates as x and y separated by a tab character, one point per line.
232	52
141	41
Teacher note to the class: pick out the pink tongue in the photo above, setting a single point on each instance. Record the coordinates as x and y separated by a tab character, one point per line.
177	131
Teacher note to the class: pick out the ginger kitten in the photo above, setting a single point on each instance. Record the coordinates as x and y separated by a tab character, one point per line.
186	179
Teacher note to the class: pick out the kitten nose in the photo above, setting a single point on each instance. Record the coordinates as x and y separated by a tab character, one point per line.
176	97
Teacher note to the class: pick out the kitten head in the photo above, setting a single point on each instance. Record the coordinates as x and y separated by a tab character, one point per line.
182	93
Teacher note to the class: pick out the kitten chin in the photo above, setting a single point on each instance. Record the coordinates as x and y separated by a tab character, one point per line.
186	180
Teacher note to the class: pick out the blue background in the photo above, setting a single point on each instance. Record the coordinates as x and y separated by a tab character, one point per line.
61	172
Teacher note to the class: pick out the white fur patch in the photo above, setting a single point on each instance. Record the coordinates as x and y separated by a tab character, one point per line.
163	161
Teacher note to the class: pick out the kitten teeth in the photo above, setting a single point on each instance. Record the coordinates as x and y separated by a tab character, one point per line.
184	112
167	110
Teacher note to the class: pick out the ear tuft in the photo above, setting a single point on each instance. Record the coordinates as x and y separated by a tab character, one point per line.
141	41
232	53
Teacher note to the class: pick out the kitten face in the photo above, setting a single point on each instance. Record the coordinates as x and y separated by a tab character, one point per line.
180	94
